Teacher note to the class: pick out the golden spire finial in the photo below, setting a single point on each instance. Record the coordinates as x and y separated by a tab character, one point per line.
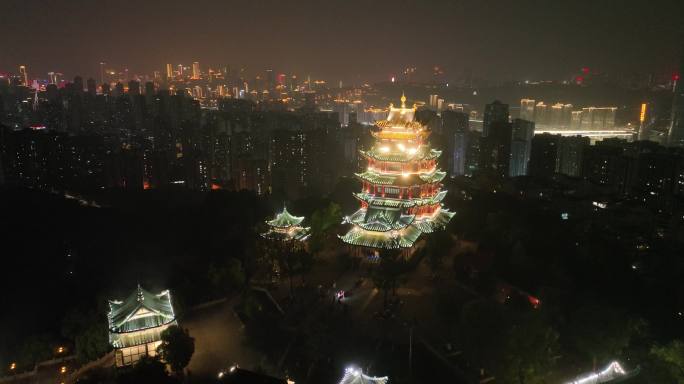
403	100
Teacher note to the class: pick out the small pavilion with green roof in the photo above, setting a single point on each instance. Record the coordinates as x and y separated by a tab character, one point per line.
136	324
286	227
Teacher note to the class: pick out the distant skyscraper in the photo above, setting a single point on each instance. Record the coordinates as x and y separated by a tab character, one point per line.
544	155
433	101
570	154
91	86
195	70
527	109
24	75
133	87
675	135
560	115
455	129
169	71
495	149
541	113
523	131
102	72
592	118
494	112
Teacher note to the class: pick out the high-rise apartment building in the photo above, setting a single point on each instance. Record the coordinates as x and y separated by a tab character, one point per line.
521	143
675	136
494	112
195	70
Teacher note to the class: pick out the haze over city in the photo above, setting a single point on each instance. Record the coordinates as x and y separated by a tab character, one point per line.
353	41
353	192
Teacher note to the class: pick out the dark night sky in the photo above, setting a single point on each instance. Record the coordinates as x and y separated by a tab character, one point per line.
365	40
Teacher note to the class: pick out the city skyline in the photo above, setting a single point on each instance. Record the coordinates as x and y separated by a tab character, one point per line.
458	37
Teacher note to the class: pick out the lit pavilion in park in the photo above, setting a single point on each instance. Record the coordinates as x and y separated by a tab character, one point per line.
286	227
136	324
401	196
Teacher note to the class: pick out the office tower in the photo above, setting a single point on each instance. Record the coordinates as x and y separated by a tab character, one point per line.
78	84
455	127
24	75
133	87
270	79
675	136
169	71
544	155
195	70
433	102
643	134
472	155
91	86
495	149
527	109
102	72
570	154
180	69
401	197
521	143
342	109
494	112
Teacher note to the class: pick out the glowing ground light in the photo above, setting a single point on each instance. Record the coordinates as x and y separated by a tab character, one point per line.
63	369
354	375
13	366
613	371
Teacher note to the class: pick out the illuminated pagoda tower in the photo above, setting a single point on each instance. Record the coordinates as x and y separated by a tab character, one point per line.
136	324
286	227
401	194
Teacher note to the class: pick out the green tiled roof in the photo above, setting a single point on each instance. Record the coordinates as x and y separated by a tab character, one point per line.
141	310
405	237
297	233
403	157
379	219
433	177
284	219
435	223
379	201
156	308
386	240
377	178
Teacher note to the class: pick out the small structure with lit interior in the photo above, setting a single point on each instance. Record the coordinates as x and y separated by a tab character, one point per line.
136	324
356	376
286	227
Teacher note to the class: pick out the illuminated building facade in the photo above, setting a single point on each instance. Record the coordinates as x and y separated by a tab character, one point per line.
401	188
286	227
195	71
136	324
675	136
24	76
